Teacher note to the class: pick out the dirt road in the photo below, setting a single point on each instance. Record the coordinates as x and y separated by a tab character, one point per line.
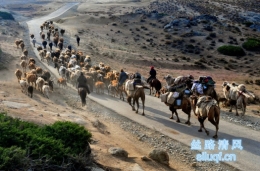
157	118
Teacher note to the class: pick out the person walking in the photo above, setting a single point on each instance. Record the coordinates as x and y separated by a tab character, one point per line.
44	43
34	41
50	45
82	82
78	39
122	77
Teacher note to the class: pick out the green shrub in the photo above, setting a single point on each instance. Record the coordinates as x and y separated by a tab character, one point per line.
6	16
251	44
58	143
231	50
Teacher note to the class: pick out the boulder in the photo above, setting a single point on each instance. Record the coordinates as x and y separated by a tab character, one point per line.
160	156
117	151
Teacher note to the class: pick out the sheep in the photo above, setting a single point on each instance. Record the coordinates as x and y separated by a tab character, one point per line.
100	86
17	42
46	90
31	60
33	71
56	40
62	81
24	86
31	66
61	40
31	78
38	70
62	71
48	57
23	57
113	88
22	46
40	82
50	83
30	91
25	52
18	74
42	54
62	31
39	48
23	65
41	27
46	75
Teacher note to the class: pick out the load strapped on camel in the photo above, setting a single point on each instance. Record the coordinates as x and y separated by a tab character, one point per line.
175	94
202	85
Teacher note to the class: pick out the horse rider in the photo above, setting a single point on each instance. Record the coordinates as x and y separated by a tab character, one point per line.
137	79
122	77
152	74
82	82
197	88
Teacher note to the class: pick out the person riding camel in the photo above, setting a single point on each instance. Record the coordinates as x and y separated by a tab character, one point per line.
122	77
82	82
152	74
137	79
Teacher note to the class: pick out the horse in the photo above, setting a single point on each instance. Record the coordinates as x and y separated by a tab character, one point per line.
155	83
185	106
213	113
83	94
135	95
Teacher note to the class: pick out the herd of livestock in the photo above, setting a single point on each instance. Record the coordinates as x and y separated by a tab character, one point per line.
71	63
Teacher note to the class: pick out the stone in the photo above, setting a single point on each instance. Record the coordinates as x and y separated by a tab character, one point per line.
117	151
194	164
144	158
159	155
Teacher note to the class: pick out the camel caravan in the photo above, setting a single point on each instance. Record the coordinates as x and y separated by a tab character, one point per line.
78	69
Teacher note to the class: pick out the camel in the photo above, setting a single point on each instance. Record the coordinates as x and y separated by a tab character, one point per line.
185	106
236	95
135	95
207	107
155	83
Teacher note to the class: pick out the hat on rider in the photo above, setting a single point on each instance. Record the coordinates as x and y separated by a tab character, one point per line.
122	70
152	67
81	73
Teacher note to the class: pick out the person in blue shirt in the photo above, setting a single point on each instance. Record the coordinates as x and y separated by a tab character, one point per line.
122	77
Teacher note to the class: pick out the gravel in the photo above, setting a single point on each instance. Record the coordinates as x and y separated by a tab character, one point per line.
245	121
180	152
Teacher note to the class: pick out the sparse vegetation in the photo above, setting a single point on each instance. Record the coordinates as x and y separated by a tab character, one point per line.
27	145
231	50
251	44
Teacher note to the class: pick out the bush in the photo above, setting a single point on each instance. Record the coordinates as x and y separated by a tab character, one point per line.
231	50
251	44
6	16
25	143
248	23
